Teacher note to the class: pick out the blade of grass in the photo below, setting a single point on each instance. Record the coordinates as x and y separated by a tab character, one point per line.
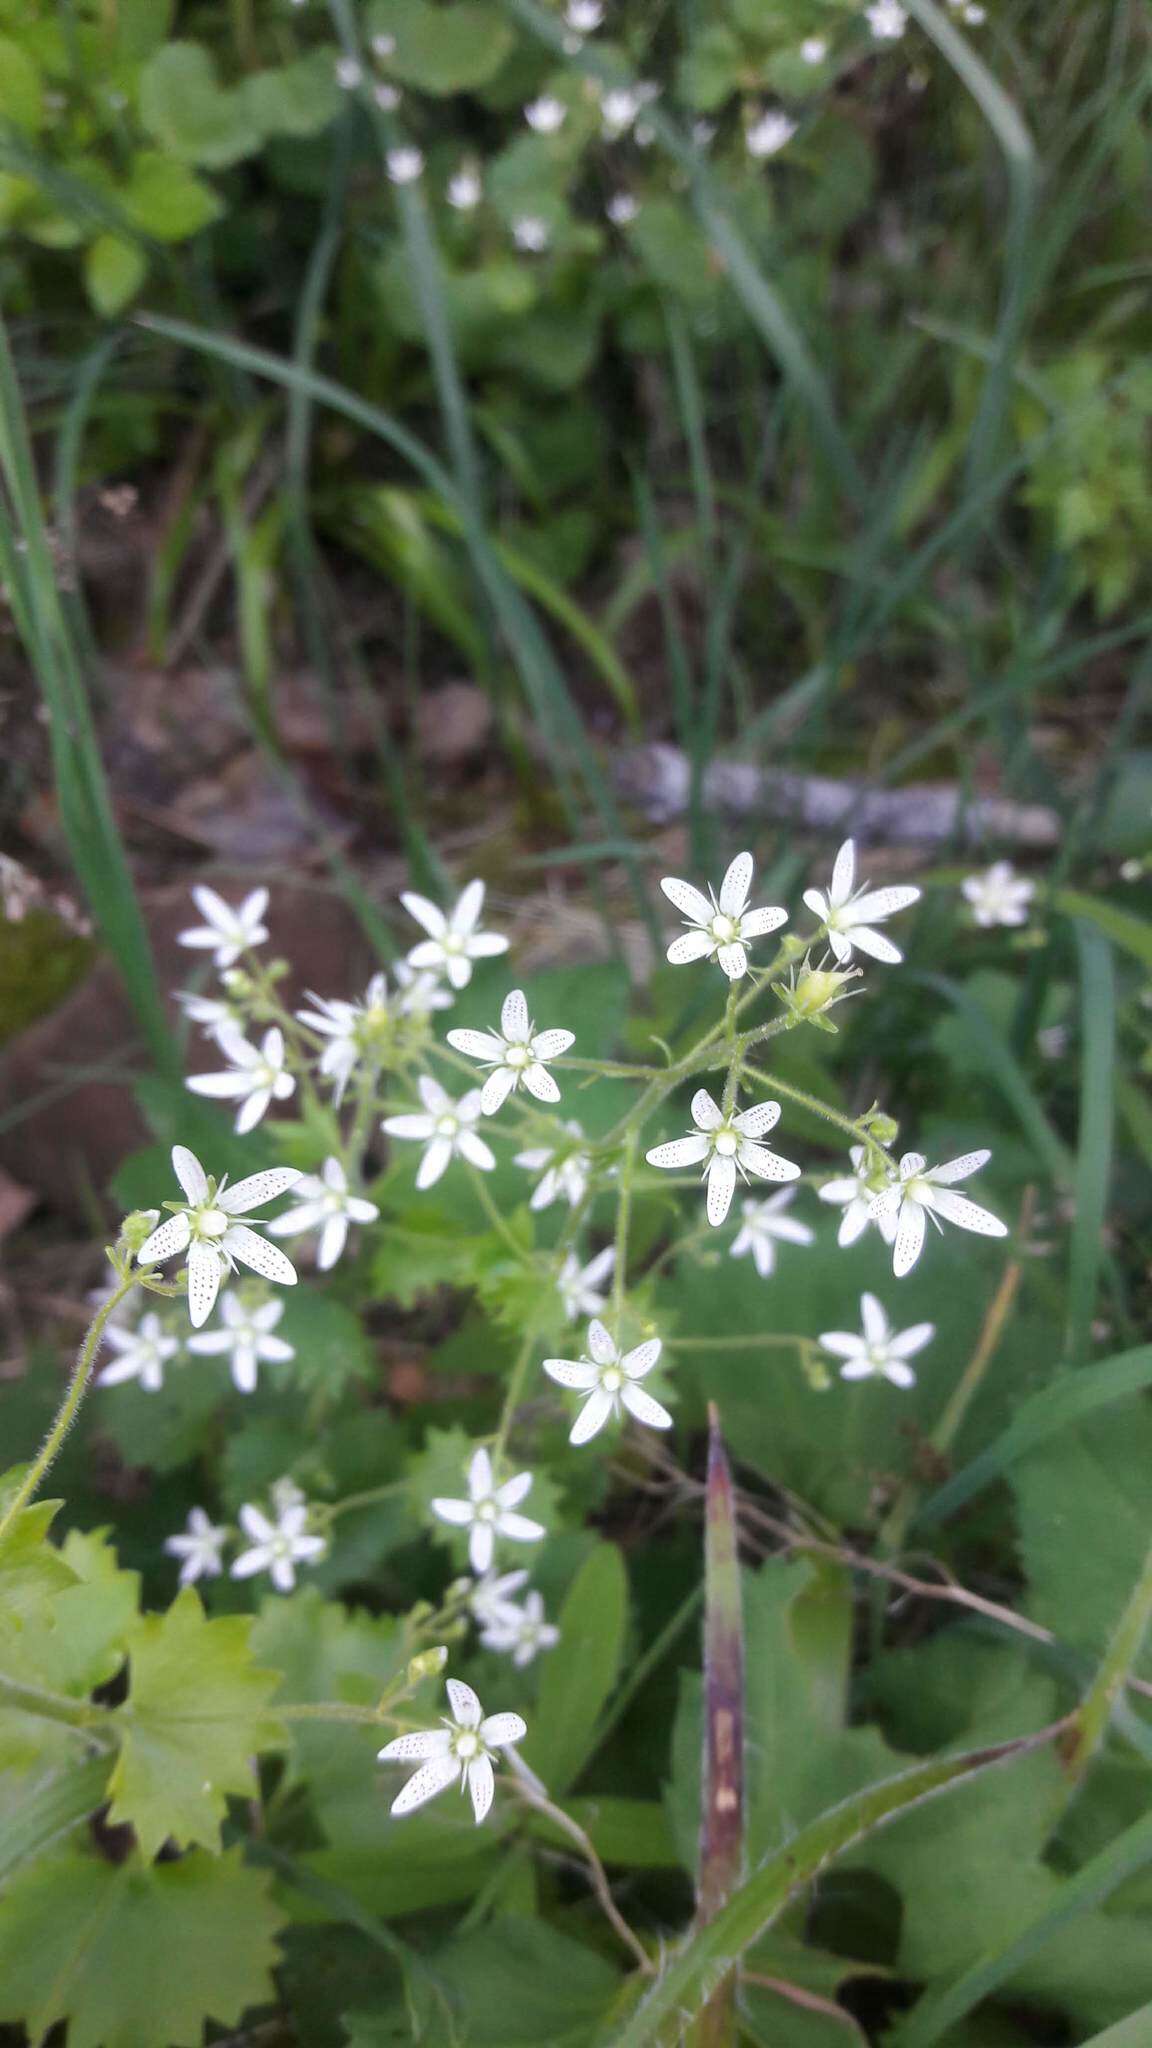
1005	1070
722	1765
1097	1118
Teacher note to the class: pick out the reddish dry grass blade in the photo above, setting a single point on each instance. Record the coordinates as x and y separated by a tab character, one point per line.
722	1806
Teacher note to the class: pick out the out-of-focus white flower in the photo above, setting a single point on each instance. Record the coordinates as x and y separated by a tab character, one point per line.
383	46
404	165
622	209
814	49
521	1632
459	1753
607	1379
491	1596
255	1077
421	992
453	941
764	1225
489	1512
349	74
770	134
465	189
1052	1040
620	105
546	115
584	16
204	1227
531	233
445	1128
887	20
349	1030
924	1191
144	1352
199	1548
247	1338
387	98
855	1194
702	133
563	1169
579	1286
326	1205
517	1052
999	895
284	1493
215	1013
720	928
277	1547
880	1352
729	1144
227	933
849	914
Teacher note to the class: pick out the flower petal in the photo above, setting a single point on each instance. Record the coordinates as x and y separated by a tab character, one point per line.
733	960
706	1113
515	1022
482	1785
258	1188
190	1174
434	1162
521	1529
693	945
411	1125
475	1151
909	1238
539	1082
514	1490
424	1784
736	884
687	900
758	1119
466	1708
592	1417
422	1743
881	903
644	1408
601	1343
641	1358
165	1241
479	1045
721	1182
572	1372
843	874
263	1258
428	914
875	945
957	1169
873	1318
480	1475
968	1215
679	1152
842	1343
548	1045
498	1730
204	1276
458	1512
496	1090
756	924
466	915
769	1165
906	1343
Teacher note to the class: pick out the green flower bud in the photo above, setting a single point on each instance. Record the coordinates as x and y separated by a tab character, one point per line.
427	1664
137	1227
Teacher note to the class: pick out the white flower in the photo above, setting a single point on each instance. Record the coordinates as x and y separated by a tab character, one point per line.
530	232
387	98
383	47
459	1753
584	16
491	1597
354	1029
887	20
974	15
204	1228
881	1351
764	1223
144	1352
622	209
453	942
620	105
729	1145
770	134
517	1052
284	1493
348	74
848	917
924	1191
214	1013
855	1194
464	189
546	114
420	991
326	1206
702	133
227	933
247	1336
579	1285
488	1511
404	165
814	49
445	1128
606	1380
720	927
564	1171
279	1546
255	1077
200	1547
999	895
523	1631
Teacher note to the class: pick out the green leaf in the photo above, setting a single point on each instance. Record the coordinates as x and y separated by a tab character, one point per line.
520	1981
1132	934
581	1671
195	1716
296	99
1134	2032
185	109
442	49
21	100
1096	1124
166	200
332	1350
39	1813
1082	1503
131	1957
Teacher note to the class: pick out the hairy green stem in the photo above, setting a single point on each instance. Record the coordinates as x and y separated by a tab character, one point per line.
69	1407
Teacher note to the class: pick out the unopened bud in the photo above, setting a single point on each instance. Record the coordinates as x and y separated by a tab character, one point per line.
818	987
427	1664
137	1227
884	1129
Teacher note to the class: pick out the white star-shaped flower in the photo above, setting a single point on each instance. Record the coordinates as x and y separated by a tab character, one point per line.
491	1596
880	1352
325	1204
924	1191
720	928
144	1352
421	991
546	115
517	1052
277	1546
579	1286
247	1338
459	1753
770	134
763	1225
607	1380
214	1013
489	1511
404	165
349	1030
445	1128
563	1169
999	895
855	1194
521	1632
227	933
204	1227
453	941
887	20
199	1547
849	914
255	1077
464	189
730	1145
